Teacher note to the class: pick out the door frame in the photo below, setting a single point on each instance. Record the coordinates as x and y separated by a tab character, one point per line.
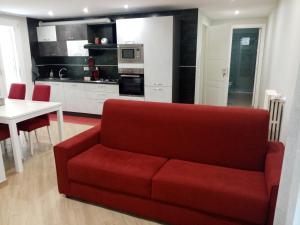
259	58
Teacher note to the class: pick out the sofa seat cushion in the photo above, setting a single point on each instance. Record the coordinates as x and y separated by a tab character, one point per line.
232	193
115	170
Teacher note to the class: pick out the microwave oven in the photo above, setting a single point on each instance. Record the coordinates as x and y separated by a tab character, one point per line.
130	53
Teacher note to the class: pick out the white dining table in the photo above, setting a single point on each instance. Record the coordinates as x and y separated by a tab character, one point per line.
15	111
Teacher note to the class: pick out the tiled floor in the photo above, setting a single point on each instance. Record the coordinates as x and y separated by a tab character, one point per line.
31	197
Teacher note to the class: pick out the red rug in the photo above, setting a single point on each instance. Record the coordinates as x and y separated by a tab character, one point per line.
77	119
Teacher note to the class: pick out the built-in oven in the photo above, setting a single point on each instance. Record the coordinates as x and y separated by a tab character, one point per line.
131	81
130	53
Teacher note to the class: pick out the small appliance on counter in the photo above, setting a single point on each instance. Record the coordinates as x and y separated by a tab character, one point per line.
131	81
95	73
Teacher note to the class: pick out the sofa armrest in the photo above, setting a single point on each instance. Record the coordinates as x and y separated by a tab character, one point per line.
273	166
64	151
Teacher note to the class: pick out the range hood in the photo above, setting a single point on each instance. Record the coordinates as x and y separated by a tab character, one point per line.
87	21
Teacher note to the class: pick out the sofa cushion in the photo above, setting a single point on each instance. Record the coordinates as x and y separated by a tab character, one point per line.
223	136
232	193
115	170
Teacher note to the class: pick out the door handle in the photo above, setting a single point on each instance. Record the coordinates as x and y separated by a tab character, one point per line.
224	72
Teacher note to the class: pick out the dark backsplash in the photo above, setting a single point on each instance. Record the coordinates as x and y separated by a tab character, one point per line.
184	53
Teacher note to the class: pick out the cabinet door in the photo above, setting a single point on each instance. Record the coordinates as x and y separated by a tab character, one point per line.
57	92
158	51
130	31
74	101
46	34
158	94
72	32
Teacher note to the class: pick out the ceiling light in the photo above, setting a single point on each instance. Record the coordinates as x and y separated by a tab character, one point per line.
236	12
126	6
85	10
50	13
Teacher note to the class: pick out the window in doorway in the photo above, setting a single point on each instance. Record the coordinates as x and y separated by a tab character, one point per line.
8	57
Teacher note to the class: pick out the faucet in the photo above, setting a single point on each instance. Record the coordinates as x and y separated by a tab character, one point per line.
60	74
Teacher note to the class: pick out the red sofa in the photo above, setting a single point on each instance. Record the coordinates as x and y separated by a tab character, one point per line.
179	164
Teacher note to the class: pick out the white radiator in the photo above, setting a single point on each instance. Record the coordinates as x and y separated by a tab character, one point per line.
275	104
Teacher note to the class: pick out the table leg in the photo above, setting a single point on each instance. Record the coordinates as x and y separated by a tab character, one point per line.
17	151
2	169
60	122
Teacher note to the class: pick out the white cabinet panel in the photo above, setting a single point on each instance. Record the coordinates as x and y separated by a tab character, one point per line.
73	97
158	94
46	34
158	51
130	31
156	34
76	48
102	88
57	92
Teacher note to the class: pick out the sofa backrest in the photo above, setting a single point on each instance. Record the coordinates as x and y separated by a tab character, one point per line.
224	136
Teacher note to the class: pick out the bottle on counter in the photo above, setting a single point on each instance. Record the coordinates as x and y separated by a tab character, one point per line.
51	75
96	74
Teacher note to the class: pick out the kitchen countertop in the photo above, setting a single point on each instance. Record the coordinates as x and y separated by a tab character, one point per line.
71	80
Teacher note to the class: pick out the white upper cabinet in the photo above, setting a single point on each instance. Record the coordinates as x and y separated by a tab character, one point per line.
131	31
76	48
46	34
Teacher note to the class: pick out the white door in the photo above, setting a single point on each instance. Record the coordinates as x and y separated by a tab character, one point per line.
217	63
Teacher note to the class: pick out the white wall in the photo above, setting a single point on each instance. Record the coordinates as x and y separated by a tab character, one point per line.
23	47
281	71
289	196
282	55
249	21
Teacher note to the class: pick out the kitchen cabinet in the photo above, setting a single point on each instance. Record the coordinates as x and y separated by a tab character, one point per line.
76	48
158	94
72	32
46	34
157	35
81	97
73	99
57	91
131	31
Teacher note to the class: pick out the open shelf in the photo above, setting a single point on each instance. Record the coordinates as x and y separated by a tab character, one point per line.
101	47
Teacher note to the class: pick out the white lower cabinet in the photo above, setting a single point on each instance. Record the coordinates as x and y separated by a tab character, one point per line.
89	98
81	97
158	94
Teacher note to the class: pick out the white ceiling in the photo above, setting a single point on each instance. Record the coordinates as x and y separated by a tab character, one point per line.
214	9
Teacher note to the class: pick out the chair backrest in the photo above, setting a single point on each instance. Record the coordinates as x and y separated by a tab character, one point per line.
224	136
17	91
41	92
